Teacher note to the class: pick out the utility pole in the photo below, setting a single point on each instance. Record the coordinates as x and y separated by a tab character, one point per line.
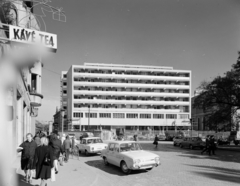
88	117
191	126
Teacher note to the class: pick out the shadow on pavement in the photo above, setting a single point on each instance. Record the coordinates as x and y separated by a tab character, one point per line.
21	181
219	173
227	156
111	169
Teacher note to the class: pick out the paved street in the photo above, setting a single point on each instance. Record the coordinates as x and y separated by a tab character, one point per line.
179	167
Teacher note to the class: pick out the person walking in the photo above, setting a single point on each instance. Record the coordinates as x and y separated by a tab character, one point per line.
37	140
43	160
28	151
56	145
155	142
67	145
212	145
207	145
63	138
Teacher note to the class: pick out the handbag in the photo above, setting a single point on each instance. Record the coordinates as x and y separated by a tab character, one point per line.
47	160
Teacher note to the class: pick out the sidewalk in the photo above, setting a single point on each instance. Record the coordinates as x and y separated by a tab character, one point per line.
73	173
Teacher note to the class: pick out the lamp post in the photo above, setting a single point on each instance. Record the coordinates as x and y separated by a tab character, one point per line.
88	116
62	114
190	119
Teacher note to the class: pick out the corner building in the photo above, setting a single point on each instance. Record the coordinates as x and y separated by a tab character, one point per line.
130	97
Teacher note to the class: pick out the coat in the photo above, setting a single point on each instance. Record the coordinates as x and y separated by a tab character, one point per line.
57	148
28	150
43	169
67	144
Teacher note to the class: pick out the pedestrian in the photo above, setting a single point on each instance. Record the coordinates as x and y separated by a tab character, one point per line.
28	151
135	137
63	138
56	145
37	139
212	145
44	161
207	145
67	147
155	142
73	142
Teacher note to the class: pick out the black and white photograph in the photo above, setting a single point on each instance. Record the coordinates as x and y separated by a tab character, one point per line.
119	92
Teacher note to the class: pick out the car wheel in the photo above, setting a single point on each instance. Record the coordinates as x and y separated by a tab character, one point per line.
105	161
191	147
86	153
180	145
125	168
174	144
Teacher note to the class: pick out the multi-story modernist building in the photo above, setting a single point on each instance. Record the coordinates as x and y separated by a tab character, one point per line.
63	90
132	97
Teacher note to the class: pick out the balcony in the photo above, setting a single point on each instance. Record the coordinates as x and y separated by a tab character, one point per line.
36	99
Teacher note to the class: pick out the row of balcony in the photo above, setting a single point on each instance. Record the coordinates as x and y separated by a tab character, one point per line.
134	98
129	106
100	80
114	89
123	72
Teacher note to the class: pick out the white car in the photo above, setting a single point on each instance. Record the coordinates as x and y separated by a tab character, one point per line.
128	155
91	145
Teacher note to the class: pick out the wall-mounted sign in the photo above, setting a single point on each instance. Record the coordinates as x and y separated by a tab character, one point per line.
28	36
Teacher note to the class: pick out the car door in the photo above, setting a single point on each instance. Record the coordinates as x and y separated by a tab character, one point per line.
82	145
184	142
115	155
109	153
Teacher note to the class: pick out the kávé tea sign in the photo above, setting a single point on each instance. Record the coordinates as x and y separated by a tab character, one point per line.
28	36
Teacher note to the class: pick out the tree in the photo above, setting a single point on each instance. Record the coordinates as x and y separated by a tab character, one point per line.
220	99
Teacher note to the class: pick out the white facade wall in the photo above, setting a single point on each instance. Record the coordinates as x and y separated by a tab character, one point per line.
132	89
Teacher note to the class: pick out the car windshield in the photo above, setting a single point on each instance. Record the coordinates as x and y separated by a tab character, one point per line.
130	147
97	140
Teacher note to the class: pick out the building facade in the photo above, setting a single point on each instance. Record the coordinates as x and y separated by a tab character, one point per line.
24	93
132	97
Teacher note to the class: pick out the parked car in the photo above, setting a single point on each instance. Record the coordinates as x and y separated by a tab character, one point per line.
177	140
235	137
91	145
169	138
223	141
161	137
128	155
86	134
192	142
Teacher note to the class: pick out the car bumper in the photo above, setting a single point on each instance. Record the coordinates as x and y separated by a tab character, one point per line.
145	166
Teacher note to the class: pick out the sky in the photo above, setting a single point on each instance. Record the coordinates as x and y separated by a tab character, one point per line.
198	35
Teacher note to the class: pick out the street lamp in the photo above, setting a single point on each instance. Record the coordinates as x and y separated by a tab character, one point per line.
88	116
62	114
190	119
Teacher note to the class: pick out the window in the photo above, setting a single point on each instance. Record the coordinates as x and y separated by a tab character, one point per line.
145	116
64	84
158	116
65	75
111	147
105	115
92	115
78	115
132	115
183	116
64	92
116	148
118	115
171	116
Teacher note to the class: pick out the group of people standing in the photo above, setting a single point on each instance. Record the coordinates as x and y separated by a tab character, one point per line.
42	154
210	145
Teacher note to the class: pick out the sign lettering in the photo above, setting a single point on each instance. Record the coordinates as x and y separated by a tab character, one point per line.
28	36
